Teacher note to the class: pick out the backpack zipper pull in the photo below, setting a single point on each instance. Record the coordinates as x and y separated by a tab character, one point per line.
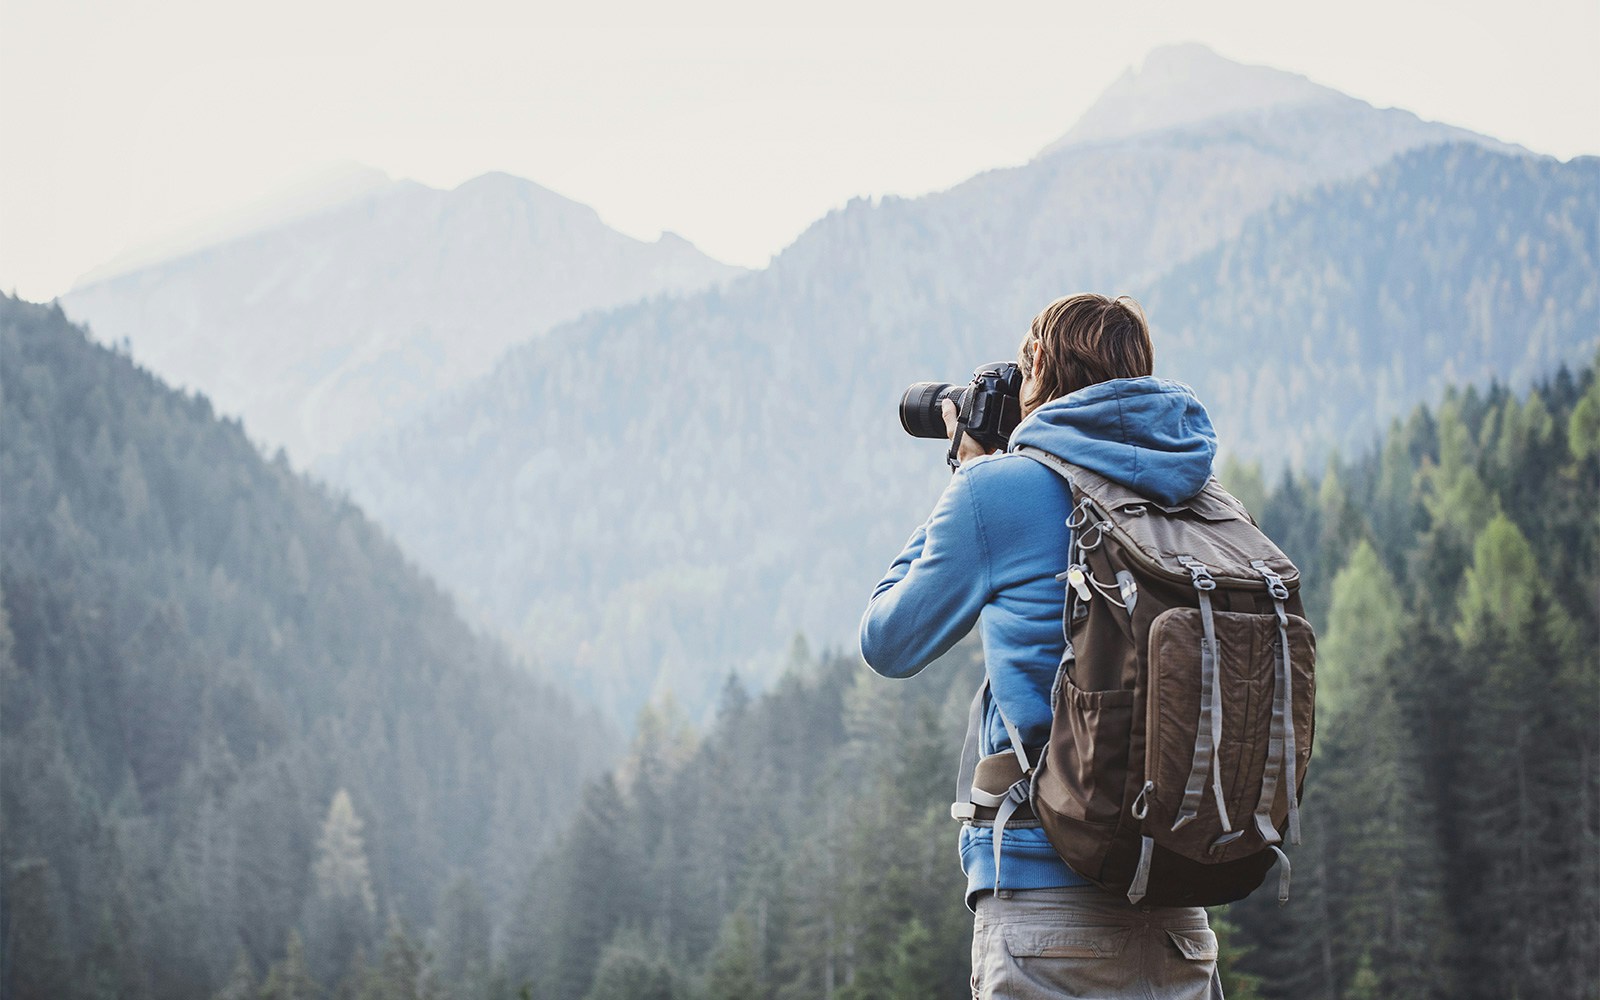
1079	580
1141	807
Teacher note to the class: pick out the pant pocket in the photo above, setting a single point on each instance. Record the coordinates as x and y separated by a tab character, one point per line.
1030	963
1185	965
1198	945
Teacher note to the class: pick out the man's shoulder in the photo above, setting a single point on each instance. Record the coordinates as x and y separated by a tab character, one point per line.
1007	475
1004	465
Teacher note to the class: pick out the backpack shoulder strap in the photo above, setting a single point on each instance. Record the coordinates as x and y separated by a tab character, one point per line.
1054	463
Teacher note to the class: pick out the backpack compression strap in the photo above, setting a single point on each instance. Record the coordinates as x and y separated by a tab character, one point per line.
1208	735
1281	756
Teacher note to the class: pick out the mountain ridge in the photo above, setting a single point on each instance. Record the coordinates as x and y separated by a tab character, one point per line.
1186	84
317	329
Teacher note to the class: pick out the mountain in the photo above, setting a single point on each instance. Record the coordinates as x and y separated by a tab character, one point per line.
1453	265
344	319
318	191
1187	84
733	472
202	654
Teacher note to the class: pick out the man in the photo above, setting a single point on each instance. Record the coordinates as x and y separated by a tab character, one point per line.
989	554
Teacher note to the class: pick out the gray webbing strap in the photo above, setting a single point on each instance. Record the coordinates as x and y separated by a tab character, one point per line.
1288	733
1280	710
966	795
1208	735
1274	765
1283	874
962	807
1074	522
1141	875
1016	740
1015	796
1052	462
1281	745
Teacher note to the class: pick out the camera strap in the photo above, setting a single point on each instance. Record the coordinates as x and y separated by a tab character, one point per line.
955	447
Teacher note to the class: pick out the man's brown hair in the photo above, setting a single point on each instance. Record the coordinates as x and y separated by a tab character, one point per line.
1086	339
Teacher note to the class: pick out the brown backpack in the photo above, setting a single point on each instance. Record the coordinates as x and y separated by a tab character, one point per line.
1183	710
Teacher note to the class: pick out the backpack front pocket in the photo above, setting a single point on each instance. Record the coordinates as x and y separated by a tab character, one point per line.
1208	748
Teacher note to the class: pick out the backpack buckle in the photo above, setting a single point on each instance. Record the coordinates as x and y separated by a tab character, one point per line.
1199	575
1275	584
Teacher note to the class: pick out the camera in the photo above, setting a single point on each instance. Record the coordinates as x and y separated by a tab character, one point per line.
989	407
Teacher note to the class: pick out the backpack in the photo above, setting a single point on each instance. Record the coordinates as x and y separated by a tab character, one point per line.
1182	713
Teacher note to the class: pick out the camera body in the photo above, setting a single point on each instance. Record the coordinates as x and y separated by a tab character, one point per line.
989	407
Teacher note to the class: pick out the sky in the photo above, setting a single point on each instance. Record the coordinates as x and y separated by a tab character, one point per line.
734	124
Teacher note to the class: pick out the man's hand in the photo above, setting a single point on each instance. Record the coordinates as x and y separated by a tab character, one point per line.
969	448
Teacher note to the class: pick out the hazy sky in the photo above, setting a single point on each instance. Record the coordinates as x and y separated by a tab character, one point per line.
733	123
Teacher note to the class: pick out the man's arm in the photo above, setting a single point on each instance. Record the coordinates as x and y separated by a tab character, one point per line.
933	591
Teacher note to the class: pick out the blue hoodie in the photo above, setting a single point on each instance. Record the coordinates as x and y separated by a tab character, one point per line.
989	554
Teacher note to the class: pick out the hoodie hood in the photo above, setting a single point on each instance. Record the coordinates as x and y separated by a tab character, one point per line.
1149	434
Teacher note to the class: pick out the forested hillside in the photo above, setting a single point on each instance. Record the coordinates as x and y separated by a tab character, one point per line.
693	480
1450	266
232	711
801	848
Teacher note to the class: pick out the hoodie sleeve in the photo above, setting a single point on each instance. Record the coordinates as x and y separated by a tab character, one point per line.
933	591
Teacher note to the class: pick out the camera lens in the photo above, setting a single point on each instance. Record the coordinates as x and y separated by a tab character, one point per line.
919	408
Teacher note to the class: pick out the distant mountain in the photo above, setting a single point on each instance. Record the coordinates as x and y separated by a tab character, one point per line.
316	192
347	317
1342	309
735	471
1187	84
198	649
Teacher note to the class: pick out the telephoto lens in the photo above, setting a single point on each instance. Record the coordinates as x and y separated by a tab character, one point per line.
919	408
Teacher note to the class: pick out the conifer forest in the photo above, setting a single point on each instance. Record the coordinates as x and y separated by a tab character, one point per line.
250	753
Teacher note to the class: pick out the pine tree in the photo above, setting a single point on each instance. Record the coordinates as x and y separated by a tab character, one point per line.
37	961
341	868
598	877
915	963
241	984
352	983
635	967
462	940
289	979
339	914
735	965
1237	984
1390	910
400	973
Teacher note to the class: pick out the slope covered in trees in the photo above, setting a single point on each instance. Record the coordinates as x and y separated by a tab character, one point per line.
802	848
1452	265
231	708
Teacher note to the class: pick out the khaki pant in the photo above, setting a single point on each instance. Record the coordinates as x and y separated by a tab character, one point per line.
1051	944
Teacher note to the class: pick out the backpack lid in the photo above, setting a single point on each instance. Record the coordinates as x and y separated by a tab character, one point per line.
1212	527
